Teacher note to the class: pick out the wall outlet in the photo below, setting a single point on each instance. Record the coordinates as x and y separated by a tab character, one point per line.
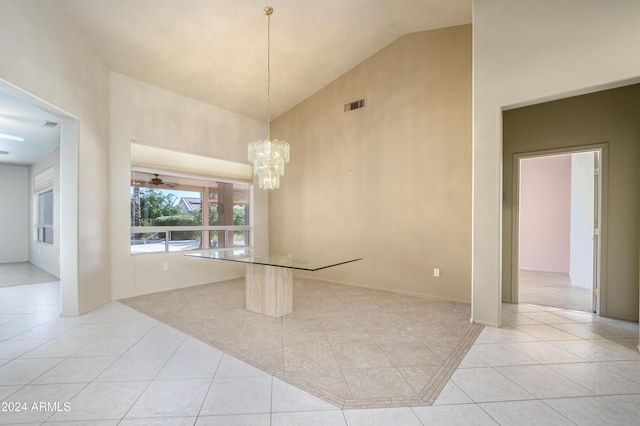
436	272
165	266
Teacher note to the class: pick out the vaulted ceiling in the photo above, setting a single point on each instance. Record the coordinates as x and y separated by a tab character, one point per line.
216	50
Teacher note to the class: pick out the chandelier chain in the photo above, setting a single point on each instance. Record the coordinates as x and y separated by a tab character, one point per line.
269	76
268	156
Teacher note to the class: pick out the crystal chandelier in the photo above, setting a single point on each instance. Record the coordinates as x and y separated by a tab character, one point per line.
268	156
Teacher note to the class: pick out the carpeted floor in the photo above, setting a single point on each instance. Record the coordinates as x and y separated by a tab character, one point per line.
23	273
352	347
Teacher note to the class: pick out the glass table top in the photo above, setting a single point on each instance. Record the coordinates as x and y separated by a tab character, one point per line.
283	261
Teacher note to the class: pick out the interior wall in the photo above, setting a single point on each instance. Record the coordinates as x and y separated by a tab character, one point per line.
526	52
582	219
14	213
607	116
545	213
46	56
390	182
46	256
149	114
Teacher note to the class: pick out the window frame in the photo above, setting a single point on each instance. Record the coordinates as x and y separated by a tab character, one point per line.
44	229
44	205
207	230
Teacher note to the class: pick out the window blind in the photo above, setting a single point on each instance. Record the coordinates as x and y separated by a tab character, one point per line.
43	181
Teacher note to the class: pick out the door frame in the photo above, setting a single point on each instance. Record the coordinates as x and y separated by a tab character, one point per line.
600	245
68	210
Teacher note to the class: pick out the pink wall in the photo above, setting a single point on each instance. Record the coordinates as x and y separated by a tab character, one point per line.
545	213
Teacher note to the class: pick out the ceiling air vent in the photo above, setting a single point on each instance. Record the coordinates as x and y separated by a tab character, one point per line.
350	106
50	124
4	152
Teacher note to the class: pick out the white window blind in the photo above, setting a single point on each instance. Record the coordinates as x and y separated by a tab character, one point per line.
43	181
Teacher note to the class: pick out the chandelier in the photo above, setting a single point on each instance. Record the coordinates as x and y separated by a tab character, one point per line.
268	156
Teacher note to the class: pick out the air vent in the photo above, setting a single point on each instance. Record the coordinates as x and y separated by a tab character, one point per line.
50	124
350	106
4	152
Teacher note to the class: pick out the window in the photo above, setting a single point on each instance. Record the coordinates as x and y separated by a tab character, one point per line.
45	217
167	213
43	194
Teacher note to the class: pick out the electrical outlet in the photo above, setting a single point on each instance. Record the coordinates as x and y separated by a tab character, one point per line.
165	266
436	272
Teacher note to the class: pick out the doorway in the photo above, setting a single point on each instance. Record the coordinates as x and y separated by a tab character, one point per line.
557	218
68	194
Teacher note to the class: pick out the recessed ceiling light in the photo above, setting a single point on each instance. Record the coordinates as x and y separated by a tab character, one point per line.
11	138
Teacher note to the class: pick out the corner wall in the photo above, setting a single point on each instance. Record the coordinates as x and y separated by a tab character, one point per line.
390	182
43	54
526	52
159	117
609	116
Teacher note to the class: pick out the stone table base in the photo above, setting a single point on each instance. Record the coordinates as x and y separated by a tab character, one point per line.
269	290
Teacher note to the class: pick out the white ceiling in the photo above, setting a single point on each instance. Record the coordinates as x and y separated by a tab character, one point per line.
21	119
216	50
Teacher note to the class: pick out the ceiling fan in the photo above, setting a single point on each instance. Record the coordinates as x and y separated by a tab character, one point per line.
154	181
157	181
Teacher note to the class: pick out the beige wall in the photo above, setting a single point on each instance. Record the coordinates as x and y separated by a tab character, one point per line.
526	52
391	182
609	116
42	53
149	114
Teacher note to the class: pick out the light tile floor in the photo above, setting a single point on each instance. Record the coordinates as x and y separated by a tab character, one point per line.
552	289
350	346
116	366
18	273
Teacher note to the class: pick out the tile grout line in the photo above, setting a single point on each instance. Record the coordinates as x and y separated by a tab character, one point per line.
299	381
